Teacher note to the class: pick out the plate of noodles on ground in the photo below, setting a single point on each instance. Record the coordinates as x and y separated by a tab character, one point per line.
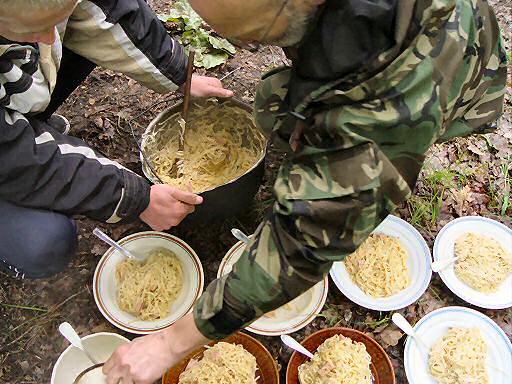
144	297
221	144
340	355
458	345
238	359
389	271
482	274
289	318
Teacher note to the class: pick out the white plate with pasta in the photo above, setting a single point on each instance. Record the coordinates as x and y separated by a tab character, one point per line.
146	297
389	271
458	341
483	274
292	316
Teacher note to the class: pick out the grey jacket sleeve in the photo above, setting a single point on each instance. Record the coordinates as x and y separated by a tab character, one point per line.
126	36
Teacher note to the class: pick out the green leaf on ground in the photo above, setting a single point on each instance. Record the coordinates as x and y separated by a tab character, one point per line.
211	51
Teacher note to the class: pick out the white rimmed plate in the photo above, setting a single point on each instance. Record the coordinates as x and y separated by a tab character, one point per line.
290	318
105	289
418	262
444	248
434	326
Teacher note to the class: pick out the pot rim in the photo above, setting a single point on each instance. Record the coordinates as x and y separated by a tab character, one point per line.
149	174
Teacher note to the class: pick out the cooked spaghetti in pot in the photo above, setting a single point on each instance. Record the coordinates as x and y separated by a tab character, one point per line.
224	363
459	357
221	143
338	360
379	266
482	263
147	289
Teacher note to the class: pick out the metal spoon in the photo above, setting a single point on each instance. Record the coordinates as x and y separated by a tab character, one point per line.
295	345
240	235
439	265
70	334
102	236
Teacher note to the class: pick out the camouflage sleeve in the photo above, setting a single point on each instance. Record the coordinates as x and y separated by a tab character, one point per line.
326	205
360	155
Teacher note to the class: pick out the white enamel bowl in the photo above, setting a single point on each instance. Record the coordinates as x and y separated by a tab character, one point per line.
418	262
444	249
435	325
290	318
72	361
105	288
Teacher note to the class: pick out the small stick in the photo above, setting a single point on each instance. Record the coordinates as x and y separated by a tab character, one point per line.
178	164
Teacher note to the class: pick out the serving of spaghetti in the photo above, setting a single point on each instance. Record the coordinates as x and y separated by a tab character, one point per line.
379	266
338	360
482	262
224	363
221	143
459	357
147	289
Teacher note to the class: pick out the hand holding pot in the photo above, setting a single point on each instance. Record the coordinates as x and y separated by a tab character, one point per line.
168	206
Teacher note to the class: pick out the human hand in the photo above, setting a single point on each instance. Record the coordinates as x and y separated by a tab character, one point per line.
145	359
168	206
204	86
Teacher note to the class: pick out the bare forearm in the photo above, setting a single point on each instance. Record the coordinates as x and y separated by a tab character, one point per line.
184	337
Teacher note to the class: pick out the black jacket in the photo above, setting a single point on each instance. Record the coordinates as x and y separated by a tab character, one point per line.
41	168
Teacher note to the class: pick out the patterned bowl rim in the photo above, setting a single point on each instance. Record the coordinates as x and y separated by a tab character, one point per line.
103	307
345	332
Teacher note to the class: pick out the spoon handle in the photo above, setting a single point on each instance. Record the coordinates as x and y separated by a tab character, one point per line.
240	235
295	345
103	236
70	334
439	265
402	323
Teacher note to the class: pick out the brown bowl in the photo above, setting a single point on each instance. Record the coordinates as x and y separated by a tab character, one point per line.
267	367
381	367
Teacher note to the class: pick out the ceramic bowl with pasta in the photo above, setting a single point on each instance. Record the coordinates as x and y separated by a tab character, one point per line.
238	359
145	297
340	355
289	318
482	275
458	345
389	271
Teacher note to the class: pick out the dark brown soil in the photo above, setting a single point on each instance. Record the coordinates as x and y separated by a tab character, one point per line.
30	311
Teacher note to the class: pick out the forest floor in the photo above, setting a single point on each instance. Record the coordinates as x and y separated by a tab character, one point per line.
467	176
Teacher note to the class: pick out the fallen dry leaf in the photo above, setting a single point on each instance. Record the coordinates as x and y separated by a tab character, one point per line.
390	336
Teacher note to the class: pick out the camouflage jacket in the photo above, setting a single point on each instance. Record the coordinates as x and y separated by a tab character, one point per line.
355	147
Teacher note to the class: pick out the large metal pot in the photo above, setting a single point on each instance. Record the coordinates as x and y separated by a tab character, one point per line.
225	200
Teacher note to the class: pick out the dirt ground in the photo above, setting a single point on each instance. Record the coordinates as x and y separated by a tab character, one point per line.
466	176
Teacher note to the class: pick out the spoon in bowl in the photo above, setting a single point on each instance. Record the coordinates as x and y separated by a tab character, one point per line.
70	334
295	345
240	235
439	265
103	236
402	323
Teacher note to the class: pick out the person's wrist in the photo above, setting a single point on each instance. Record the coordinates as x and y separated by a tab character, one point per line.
184	337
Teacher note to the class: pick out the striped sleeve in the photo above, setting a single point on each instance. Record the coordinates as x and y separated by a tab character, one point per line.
126	36
41	168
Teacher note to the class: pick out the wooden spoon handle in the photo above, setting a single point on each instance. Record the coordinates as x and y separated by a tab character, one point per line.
188	84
